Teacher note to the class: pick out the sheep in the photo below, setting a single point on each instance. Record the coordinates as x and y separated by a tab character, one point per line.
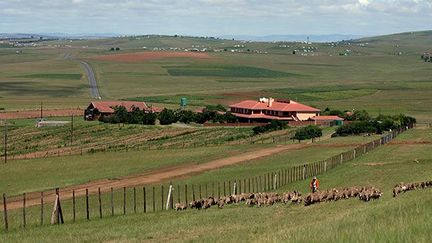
404	187
180	206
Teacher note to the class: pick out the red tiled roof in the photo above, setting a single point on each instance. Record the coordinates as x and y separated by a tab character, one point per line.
326	118
263	116
276	106
107	106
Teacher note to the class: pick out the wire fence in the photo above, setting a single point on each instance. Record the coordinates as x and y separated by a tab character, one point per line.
35	209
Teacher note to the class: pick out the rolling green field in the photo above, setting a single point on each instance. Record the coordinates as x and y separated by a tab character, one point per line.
370	77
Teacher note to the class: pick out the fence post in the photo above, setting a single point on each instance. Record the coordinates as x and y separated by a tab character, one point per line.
304	172
42	209
144	200
24	210
186	194
154	202
167	205
341	158
234	188
193	192
162	197
112	201
325	166
199	188
73	207
87	205
6	224
354	155
124	200
178	193
134	200
275	181
218	185
100	202
224	185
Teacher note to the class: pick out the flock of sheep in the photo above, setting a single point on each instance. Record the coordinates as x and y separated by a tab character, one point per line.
404	187
267	199
363	193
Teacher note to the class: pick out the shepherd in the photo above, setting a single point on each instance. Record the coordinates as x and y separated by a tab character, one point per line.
314	185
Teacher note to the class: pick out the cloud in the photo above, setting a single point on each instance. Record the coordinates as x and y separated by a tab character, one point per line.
214	16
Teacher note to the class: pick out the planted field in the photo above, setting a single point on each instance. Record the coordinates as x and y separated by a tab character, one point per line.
145	56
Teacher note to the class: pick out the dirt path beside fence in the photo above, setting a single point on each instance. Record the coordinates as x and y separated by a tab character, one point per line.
152	177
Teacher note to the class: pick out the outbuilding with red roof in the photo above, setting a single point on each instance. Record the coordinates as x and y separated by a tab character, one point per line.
98	109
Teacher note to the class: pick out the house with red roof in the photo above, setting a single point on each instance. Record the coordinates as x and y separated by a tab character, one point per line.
266	109
98	109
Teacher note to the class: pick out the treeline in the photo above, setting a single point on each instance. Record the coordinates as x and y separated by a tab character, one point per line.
216	114
308	132
366	124
272	126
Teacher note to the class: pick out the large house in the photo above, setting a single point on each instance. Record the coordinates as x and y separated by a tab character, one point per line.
266	109
105	108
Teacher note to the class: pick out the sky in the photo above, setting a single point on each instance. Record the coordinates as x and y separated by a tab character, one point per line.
215	17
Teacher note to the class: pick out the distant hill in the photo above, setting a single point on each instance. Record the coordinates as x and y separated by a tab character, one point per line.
312	38
417	38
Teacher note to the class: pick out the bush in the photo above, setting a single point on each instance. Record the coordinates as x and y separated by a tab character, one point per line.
309	132
377	125
167	117
272	126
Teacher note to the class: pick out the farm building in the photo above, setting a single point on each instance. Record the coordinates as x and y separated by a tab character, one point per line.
266	109
334	120
98	109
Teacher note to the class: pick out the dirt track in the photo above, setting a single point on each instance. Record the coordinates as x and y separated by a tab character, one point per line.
150	177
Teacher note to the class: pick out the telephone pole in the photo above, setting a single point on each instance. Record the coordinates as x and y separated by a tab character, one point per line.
72	129
5	142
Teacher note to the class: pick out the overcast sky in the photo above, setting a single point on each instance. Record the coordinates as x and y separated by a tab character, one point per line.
215	17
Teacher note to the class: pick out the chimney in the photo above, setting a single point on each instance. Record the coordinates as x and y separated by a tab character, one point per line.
270	101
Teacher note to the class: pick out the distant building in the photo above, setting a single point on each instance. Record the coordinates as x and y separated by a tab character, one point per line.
98	109
267	109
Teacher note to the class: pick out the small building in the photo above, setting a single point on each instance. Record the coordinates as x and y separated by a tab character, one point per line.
330	120
267	109
98	109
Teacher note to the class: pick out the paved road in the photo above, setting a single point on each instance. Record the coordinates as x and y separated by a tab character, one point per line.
91	79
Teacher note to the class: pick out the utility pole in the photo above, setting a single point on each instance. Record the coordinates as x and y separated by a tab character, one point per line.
41	111
72	129
5	142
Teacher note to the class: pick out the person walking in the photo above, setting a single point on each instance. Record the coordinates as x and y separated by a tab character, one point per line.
314	185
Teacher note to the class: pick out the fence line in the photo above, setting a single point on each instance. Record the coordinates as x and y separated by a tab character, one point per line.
106	203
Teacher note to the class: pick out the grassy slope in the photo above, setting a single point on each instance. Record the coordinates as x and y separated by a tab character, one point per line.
401	219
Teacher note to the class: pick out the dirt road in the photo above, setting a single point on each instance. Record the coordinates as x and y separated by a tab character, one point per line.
151	177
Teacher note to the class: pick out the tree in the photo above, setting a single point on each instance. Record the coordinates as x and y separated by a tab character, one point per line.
167	117
149	118
309	132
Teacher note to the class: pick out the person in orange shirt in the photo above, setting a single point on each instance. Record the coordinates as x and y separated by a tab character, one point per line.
314	185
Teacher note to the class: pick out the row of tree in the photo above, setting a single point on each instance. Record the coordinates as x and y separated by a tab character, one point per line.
272	126
308	132
377	125
216	114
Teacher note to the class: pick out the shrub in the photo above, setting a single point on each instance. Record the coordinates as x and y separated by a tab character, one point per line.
309	132
272	126
167	117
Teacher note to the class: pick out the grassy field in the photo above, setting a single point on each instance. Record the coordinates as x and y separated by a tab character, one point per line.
349	220
370	77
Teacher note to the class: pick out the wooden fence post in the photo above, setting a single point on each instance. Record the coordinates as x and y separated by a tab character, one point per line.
199	187
275	181
6	224
178	193
112	201
100	202
224	192
24	210
154	202
234	188
186	194
218	189
144	200
167	205
124	200
162	197
87	205
304	172
229	187
193	192
134	200
42	208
